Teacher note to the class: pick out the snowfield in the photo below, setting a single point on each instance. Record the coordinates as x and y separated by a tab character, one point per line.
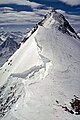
43	75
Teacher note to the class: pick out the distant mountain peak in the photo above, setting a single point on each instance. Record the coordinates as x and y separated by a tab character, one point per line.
8	47
9	43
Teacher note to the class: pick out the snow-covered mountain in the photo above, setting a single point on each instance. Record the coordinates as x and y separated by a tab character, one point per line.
17	36
7	48
1	41
9	43
41	79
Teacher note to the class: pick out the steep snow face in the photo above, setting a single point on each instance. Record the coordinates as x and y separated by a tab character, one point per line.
43	75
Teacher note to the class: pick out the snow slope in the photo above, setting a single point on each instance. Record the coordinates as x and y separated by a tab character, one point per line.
43	74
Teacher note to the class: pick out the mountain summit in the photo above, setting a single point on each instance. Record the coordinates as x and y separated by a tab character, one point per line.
54	19
41	80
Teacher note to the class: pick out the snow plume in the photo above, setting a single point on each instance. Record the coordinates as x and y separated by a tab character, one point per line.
71	2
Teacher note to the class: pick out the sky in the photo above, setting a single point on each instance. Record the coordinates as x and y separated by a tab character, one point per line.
29	12
69	2
70	6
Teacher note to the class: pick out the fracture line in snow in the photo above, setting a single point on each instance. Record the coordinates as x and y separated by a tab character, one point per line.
35	69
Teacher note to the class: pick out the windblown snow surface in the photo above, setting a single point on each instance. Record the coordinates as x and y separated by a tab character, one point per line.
42	75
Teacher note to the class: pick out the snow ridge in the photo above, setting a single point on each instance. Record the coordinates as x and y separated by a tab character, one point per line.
11	91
